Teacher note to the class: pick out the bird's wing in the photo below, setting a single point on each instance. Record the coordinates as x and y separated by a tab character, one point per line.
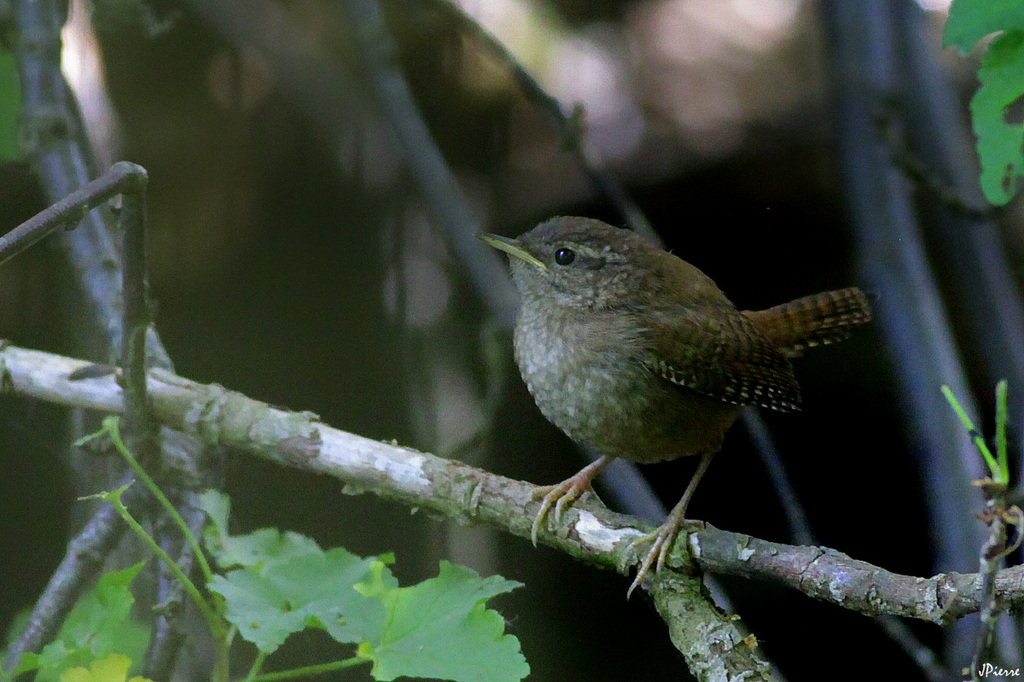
718	352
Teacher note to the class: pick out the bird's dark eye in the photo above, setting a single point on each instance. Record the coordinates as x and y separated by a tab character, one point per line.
565	256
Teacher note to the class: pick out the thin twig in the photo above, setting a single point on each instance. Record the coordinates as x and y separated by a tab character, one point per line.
605	185
801	534
990	561
923	656
141	431
799	527
436	182
67	212
83	560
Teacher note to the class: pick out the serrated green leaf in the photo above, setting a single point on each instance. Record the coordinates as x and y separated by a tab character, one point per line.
261	612
1000	132
314	589
439	628
99	625
253	549
10	106
442	629
971	20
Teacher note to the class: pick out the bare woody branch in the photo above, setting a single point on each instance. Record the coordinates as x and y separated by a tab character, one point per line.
214	415
590	532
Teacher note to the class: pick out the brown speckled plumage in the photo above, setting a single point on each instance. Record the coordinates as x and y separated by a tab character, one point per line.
637	353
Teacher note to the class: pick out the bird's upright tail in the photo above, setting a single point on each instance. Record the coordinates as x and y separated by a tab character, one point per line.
813	320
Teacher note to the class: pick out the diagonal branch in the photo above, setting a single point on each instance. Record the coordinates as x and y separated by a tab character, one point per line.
85	556
590	532
217	416
604	184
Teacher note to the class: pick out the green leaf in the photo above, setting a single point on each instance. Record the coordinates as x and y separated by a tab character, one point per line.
971	20
99	625
998	125
441	628
285	583
113	668
261	612
10	106
247	550
310	589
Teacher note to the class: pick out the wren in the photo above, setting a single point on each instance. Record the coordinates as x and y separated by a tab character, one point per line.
638	354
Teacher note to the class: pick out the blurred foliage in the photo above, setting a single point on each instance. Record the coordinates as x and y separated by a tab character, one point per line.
100	624
997	109
10	106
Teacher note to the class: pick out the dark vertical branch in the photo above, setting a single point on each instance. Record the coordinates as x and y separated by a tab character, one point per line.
141	430
169	632
60	156
799	527
137	316
982	293
965	235
866	72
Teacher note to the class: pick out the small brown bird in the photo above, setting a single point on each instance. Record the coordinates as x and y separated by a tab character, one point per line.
639	354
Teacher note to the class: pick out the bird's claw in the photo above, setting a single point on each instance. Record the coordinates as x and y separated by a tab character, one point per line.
663	539
559	496
655	557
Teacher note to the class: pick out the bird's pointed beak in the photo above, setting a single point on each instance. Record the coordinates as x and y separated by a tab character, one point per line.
510	246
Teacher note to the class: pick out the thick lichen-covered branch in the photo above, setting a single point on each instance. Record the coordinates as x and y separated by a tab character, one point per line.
589	532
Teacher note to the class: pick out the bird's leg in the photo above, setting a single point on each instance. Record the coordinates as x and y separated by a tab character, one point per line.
565	493
667	531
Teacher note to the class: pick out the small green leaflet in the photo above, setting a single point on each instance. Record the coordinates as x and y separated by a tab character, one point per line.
10	106
98	625
113	668
997	109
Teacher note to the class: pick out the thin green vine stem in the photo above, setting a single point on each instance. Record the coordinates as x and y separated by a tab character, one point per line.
308	670
998	475
257	665
213	621
1004	467
112	426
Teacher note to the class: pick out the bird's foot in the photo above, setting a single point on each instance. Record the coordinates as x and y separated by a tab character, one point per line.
662	540
666	533
563	494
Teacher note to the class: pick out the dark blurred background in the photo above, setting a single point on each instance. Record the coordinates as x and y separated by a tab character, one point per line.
294	259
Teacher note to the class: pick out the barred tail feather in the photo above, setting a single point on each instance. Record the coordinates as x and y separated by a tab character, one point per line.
813	320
